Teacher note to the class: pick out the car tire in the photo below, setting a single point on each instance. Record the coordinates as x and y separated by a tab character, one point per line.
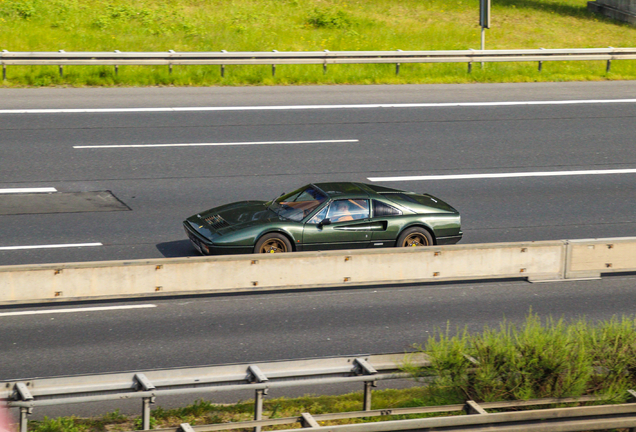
413	237
273	243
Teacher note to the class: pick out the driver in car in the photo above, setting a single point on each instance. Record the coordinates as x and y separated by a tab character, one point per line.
341	212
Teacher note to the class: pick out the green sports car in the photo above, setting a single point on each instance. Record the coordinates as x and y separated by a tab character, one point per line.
326	216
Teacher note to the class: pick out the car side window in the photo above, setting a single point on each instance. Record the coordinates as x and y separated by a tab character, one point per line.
348	210
319	217
381	210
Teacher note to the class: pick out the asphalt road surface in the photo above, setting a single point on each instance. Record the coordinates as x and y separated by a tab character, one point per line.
124	202
159	186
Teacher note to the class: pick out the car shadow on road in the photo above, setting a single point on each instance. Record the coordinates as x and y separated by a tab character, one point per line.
177	248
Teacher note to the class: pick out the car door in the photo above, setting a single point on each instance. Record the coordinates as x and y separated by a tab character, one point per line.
332	228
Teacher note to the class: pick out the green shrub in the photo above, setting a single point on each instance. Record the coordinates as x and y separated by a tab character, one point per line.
536	360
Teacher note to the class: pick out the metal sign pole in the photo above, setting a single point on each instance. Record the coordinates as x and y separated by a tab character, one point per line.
484	22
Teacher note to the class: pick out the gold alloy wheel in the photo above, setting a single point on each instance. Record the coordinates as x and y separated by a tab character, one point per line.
415	239
273	245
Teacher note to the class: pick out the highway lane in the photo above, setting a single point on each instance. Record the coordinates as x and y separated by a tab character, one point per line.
221	329
162	185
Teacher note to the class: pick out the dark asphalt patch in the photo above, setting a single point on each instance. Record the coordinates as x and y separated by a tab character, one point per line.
60	202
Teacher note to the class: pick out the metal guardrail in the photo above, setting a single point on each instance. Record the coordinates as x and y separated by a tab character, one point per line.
261	377
223	58
477	418
147	385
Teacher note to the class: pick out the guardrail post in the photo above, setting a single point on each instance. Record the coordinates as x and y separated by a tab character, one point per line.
24	421
366	403
223	66
324	65
4	68
258	407
170	64
540	66
117	66
274	66
62	68
145	412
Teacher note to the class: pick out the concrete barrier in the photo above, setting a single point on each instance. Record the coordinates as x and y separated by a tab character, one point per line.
543	260
591	257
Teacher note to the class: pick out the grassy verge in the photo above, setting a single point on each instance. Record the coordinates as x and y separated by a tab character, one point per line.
534	360
309	25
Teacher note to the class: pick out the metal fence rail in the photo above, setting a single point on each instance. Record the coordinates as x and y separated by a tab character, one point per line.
223	58
259	377
477	418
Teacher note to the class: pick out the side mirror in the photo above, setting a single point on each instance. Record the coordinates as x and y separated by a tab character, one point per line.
326	221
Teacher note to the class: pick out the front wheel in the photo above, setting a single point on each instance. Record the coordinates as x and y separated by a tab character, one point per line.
414	237
273	243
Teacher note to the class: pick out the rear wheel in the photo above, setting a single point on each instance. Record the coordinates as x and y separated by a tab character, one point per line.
414	237
273	243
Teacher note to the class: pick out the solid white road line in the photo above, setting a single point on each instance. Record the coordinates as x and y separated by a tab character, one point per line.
28	190
218	144
308	107
51	246
87	309
503	175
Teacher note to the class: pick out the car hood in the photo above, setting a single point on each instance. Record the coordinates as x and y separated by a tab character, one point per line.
230	217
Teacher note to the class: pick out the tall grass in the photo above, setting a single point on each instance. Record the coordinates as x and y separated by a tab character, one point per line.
535	360
308	25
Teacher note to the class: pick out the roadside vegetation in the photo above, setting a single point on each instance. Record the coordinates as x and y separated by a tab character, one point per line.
533	360
308	25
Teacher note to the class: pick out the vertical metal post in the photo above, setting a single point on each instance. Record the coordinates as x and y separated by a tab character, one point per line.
470	67
397	69
145	413
274	66
62	67
117	66
170	64
540	66
609	65
366	403
223	66
258	408
324	65
483	42
4	68
23	419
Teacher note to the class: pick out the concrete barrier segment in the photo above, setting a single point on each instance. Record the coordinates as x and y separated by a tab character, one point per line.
541	260
588	258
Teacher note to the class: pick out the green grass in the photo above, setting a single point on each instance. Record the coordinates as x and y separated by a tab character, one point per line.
535	360
308	25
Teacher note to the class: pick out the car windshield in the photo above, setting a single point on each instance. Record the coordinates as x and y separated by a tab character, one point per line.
298	204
